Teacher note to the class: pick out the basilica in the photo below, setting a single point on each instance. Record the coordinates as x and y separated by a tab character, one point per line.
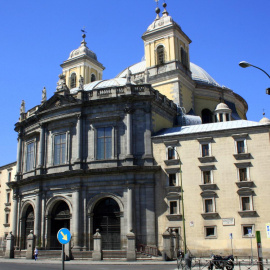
161	149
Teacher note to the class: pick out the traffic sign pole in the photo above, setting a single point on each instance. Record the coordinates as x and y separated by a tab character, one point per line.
63	237
259	249
63	257
231	237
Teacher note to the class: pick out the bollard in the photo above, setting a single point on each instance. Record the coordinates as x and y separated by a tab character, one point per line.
30	246
97	253
10	246
131	251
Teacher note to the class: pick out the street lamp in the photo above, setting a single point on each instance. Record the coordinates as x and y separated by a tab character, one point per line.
245	64
182	200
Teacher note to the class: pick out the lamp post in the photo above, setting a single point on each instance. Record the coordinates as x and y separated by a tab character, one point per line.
182	200
245	64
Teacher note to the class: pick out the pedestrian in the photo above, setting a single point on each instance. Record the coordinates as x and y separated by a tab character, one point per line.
36	253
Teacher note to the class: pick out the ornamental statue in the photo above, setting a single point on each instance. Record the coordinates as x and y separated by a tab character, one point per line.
81	81
22	109
61	84
44	95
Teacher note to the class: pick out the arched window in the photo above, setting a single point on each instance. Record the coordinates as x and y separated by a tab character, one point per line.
206	116
160	55
73	80
93	77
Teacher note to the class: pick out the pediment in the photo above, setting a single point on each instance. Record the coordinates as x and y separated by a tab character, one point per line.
57	101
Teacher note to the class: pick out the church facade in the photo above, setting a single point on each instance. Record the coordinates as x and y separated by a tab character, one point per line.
109	155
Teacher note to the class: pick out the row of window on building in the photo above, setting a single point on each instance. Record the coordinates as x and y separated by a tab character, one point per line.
209	205
206	151
60	148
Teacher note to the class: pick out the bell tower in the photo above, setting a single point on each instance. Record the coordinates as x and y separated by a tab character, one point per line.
167	59
82	62
164	41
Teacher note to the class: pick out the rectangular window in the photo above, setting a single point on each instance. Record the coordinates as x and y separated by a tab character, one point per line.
8	197
248	230
172	179
171	153
173	208
205	150
208	206
30	156
240	147
243	174
60	149
104	143
210	232
246	205
9	176
7	218
207	177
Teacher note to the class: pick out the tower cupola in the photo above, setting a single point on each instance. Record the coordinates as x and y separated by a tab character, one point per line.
222	113
82	62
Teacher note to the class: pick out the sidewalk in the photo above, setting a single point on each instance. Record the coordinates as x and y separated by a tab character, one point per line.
88	261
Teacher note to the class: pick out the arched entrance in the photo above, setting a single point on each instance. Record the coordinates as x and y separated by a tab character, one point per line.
60	218
107	220
28	224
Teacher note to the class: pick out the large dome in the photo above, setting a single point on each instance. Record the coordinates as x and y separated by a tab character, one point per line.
198	74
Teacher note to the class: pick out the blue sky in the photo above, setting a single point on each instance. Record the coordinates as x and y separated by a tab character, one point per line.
37	36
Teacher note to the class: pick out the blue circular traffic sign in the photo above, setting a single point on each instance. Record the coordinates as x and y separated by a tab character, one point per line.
63	236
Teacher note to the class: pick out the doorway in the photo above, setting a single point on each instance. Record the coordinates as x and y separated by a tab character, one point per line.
60	218
107	220
28	225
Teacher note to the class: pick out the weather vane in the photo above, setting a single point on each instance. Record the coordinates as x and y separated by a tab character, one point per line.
83	30
157	2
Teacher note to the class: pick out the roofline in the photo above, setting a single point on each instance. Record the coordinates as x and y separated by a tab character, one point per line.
259	126
8	165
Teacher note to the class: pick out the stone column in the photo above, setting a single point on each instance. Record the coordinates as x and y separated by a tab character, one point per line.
97	253
147	136
150	216
84	219
47	232
129	209
76	217
15	215
42	230
37	218
131	249
19	157
9	254
79	138
41	148
129	112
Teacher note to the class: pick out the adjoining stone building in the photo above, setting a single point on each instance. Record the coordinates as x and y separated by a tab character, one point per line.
98	155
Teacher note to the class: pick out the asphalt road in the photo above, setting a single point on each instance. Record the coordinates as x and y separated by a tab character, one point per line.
46	266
